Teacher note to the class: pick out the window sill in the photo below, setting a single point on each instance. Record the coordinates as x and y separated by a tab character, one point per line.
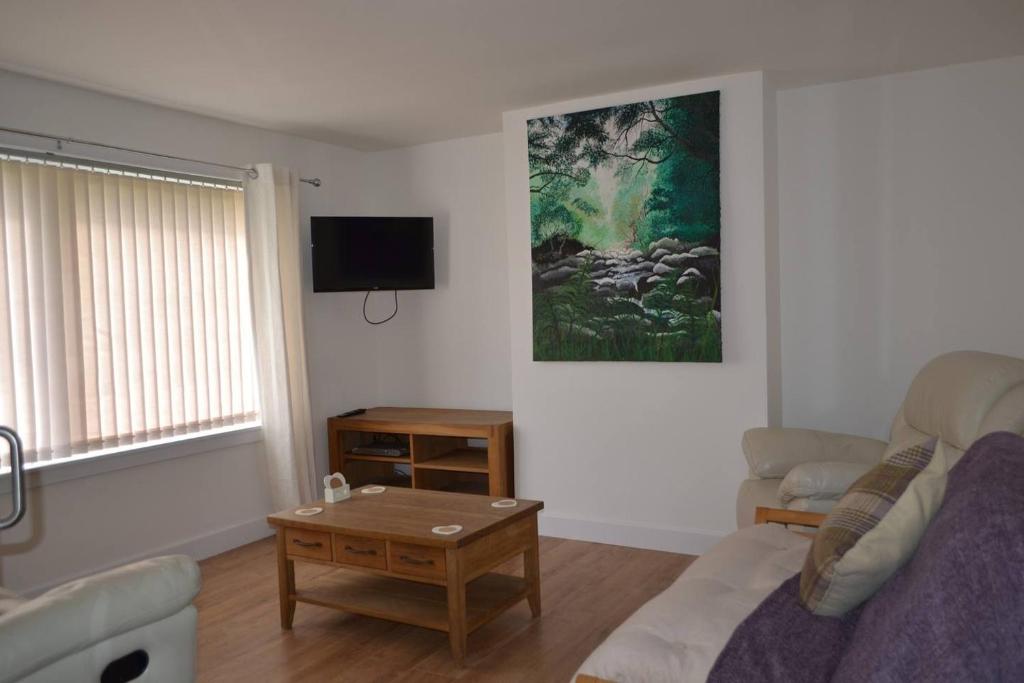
88	465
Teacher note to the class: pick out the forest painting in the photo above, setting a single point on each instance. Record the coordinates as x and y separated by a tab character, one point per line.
625	220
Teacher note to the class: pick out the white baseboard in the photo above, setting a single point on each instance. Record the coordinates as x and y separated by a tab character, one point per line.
197	547
686	541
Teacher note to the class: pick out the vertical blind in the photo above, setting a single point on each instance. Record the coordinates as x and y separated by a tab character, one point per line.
124	306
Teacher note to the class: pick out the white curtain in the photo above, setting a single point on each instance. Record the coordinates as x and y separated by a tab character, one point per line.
124	307
272	227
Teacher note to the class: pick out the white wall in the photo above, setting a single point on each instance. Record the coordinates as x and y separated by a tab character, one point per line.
902	233
203	503
647	454
448	347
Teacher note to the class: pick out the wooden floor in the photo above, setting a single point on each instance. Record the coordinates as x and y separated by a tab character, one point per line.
588	589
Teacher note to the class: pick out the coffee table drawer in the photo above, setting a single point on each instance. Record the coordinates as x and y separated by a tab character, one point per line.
416	560
362	552
312	544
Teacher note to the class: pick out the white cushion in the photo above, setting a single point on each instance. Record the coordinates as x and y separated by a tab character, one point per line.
820	480
821	506
678	635
8	601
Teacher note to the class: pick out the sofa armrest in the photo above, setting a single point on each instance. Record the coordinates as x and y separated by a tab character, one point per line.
87	611
820	480
772	452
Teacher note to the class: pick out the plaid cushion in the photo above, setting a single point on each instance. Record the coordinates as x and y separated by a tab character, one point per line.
860	510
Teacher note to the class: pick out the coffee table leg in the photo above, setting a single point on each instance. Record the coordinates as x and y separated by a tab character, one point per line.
456	606
285	581
531	571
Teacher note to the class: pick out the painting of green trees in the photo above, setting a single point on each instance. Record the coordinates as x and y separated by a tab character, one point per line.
625	222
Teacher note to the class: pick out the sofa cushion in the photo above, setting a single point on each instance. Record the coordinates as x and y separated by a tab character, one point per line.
677	635
820	480
873	530
952	395
8	601
955	612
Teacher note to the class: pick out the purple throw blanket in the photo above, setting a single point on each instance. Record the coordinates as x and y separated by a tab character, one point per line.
954	612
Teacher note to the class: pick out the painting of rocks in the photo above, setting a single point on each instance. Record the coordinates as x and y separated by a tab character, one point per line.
625	220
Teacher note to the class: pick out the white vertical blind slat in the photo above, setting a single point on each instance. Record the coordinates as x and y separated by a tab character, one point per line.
222	395
6	369
55	422
127	302
21	337
34	300
231	274
144	308
70	333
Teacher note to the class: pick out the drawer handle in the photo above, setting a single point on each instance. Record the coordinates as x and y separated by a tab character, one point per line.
414	560
357	551
307	544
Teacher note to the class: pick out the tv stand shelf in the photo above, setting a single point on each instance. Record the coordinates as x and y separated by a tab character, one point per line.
458	460
451	450
363	457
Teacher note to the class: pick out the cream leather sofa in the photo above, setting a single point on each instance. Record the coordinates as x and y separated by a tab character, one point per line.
136	617
957	397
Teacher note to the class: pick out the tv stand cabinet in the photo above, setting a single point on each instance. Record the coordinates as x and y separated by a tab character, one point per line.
448	450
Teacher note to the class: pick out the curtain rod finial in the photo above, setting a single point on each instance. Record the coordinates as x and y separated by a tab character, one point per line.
315	182
252	173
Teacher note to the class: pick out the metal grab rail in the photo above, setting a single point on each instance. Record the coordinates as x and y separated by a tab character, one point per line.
17	479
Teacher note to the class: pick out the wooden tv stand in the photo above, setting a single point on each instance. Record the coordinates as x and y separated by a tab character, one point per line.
445	449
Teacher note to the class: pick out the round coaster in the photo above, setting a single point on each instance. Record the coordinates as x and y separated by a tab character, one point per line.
447	530
374	489
507	503
309	512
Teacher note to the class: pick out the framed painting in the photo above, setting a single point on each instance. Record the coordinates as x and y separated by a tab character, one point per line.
625	223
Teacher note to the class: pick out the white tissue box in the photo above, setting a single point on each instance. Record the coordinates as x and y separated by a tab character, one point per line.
336	494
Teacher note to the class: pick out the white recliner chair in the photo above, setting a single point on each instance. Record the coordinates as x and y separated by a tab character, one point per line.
133	623
957	397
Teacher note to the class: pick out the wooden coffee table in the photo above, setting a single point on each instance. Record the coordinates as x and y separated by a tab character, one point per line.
395	567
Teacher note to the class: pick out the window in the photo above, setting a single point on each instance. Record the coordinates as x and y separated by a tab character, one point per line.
124	307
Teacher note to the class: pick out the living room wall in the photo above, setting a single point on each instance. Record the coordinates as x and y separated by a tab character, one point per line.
448	347
901	231
647	454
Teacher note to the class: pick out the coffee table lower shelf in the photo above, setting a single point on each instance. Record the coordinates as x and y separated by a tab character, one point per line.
408	602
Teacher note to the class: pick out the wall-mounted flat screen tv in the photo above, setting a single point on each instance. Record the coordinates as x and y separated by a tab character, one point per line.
362	254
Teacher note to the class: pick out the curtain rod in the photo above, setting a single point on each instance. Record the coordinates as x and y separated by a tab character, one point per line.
61	139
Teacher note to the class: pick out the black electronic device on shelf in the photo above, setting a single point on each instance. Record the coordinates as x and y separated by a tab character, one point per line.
388	448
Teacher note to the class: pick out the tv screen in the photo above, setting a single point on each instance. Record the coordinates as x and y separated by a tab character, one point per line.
361	254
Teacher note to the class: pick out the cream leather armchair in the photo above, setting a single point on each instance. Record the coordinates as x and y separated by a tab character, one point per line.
135	623
957	397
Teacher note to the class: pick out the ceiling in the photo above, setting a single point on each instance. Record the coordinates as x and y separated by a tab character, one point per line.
375	74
